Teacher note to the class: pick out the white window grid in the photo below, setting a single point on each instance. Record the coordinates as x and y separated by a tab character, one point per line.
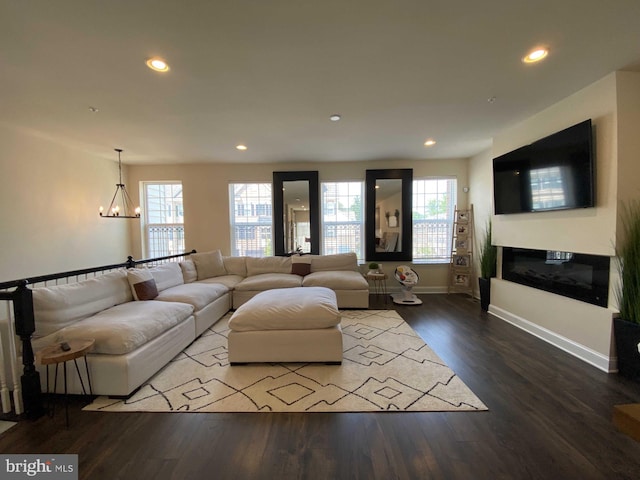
251	219
343	217
163	220
433	206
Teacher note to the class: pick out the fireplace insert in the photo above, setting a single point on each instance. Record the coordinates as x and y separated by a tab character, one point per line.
576	275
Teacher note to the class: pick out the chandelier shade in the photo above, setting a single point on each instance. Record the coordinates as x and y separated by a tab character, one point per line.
121	205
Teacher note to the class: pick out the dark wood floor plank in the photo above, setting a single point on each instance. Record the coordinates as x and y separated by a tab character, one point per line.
549	418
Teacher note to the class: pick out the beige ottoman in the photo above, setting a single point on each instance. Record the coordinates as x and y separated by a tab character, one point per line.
300	324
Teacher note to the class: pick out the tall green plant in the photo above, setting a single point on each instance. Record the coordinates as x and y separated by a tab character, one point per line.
628	253
488	254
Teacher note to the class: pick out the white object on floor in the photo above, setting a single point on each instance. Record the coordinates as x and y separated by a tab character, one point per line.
407	278
300	324
4	426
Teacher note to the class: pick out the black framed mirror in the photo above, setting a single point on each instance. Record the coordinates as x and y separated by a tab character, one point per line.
388	222
296	212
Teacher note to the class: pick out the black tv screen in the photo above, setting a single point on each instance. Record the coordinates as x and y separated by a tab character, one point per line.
554	173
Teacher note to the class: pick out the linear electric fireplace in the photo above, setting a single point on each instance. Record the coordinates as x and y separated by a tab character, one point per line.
575	275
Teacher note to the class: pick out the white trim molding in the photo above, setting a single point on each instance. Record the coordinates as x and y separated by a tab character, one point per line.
597	359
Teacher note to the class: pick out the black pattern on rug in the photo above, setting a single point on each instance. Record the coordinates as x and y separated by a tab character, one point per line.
386	367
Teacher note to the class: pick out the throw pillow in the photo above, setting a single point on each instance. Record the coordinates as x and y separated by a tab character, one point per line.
209	264
143	285
300	265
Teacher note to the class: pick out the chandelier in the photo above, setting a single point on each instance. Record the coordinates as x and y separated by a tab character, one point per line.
121	205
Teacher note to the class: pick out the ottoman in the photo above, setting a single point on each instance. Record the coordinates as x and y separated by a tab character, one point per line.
300	324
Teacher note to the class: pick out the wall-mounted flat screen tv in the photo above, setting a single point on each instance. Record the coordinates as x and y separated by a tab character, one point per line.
554	173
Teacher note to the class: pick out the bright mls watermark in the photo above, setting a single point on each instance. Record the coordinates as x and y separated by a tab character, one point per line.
53	467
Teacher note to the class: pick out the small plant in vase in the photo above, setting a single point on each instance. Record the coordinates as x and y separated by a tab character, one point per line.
374	267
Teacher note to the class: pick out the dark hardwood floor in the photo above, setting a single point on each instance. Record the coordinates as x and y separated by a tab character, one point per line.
549	418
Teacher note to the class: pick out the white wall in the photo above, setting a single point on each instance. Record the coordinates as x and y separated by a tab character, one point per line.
590	230
628	94
49	208
481	196
613	103
206	198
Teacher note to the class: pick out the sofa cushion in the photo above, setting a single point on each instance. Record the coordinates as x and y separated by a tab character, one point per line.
189	272
287	309
340	261
209	264
339	280
229	281
125	327
235	265
62	305
260	265
301	265
267	281
167	275
197	294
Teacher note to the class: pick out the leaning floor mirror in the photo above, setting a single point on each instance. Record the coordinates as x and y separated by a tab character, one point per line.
388	226
296	212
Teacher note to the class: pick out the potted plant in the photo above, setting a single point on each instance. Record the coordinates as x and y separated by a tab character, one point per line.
626	328
488	262
374	267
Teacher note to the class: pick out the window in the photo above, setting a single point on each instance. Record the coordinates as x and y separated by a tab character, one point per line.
433	206
549	188
163	219
342	218
251	218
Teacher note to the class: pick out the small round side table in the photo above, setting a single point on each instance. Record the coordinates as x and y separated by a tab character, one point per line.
379	281
55	355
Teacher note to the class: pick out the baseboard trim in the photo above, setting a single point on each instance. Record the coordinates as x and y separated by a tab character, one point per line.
596	359
417	289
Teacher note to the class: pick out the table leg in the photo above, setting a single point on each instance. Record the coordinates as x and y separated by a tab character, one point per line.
86	366
48	393
66	396
55	389
75	361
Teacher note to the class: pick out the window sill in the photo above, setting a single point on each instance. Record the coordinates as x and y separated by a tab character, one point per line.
439	261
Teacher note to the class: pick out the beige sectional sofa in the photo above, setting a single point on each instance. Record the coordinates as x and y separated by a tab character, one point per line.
337	272
142	318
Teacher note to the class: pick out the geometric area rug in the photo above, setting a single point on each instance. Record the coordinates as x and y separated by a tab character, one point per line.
386	366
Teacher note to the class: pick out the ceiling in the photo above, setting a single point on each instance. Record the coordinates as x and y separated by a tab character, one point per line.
269	73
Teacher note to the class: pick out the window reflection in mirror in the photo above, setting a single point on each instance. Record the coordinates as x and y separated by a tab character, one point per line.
388	207
388	225
296	219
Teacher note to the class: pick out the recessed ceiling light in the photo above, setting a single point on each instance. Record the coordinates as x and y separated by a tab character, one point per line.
93	109
430	142
157	64
335	117
536	55
241	147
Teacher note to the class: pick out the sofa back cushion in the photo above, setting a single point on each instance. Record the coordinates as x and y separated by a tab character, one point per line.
62	305
337	262
260	265
209	264
189	272
167	275
235	265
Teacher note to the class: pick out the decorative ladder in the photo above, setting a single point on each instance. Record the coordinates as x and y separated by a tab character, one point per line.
461	263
